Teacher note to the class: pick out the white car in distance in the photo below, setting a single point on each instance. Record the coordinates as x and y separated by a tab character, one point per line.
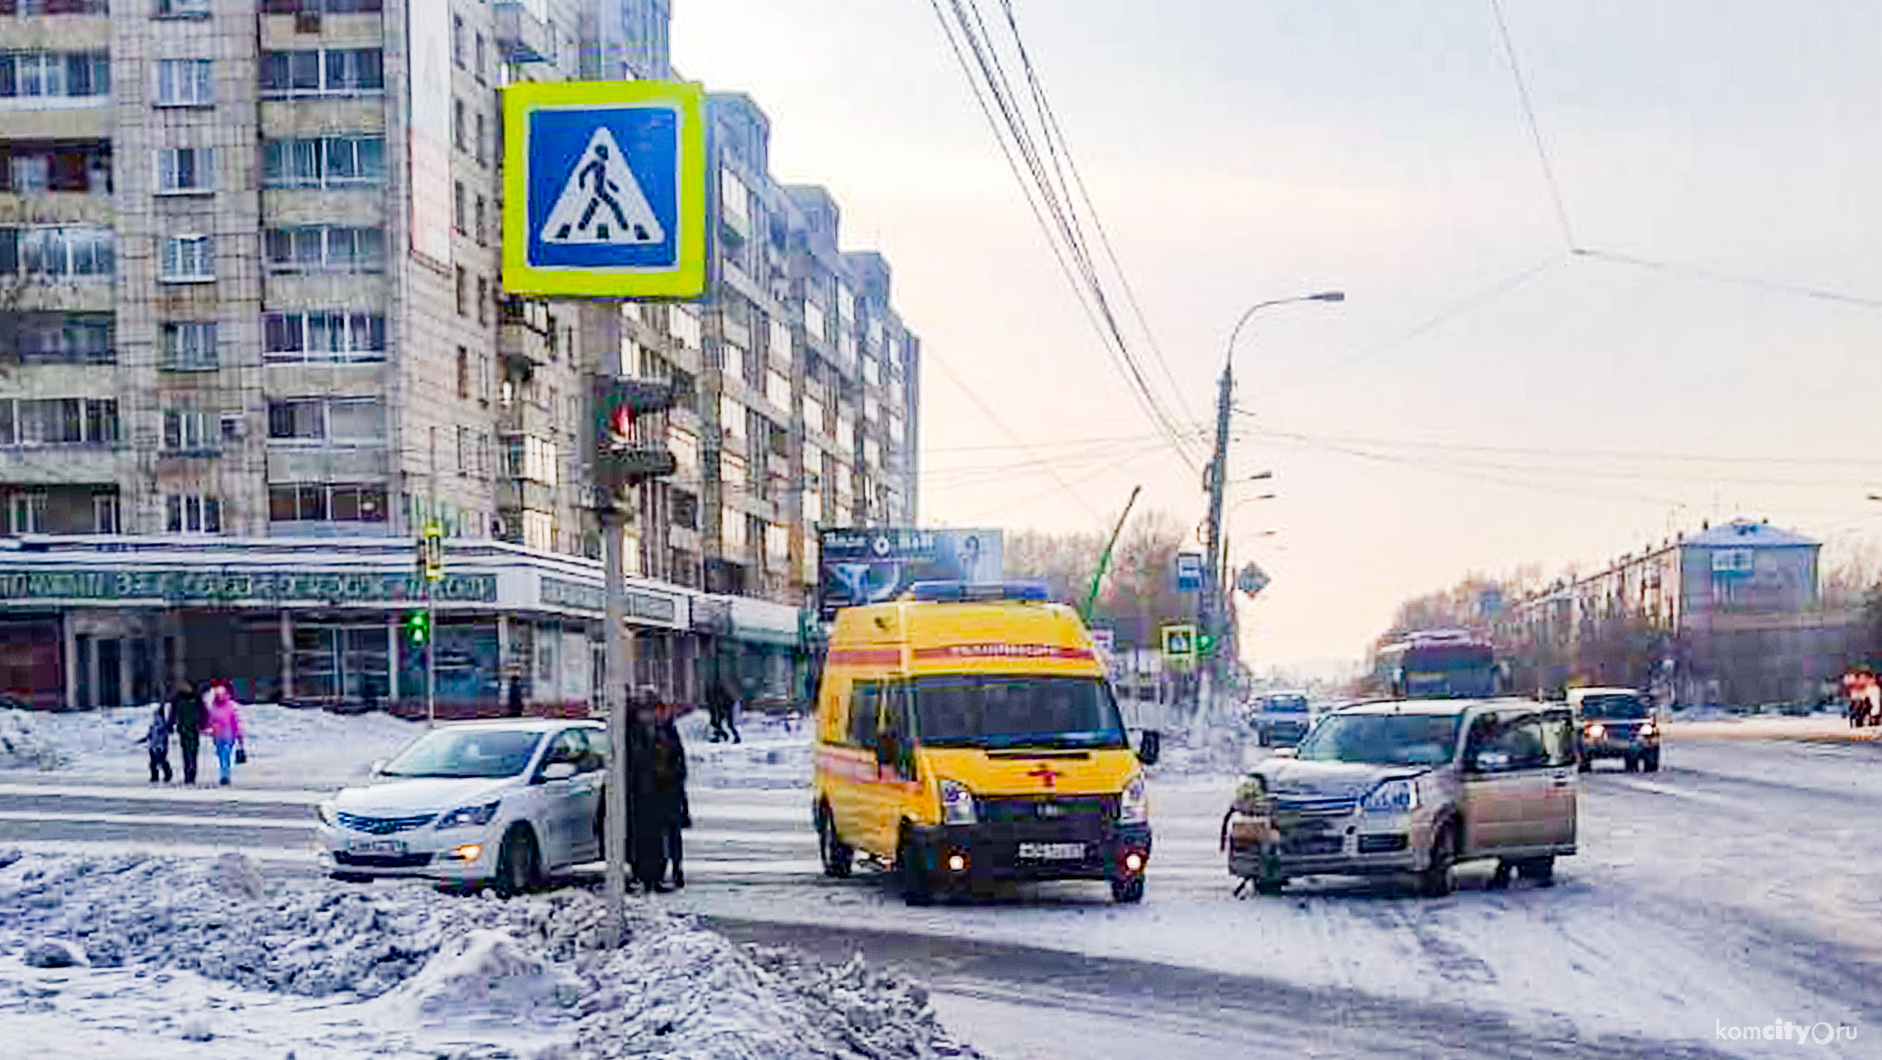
504	803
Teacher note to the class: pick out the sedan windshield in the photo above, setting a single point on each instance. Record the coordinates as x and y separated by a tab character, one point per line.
1622	707
1288	705
988	710
1387	739
466	753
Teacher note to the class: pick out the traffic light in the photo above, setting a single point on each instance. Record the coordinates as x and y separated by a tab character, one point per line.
431	553
418	627
628	447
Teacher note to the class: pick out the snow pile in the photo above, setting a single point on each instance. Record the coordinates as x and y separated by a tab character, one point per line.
297	745
23	745
409	957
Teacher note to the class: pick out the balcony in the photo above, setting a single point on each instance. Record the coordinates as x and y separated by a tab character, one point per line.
522	344
520	31
521	493
59	465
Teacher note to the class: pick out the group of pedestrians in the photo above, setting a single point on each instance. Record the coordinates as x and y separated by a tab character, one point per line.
190	713
656	793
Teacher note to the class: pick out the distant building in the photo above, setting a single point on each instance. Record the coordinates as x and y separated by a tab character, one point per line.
1730	615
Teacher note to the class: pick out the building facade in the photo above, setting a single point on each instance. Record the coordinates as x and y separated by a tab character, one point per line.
249	290
1730	615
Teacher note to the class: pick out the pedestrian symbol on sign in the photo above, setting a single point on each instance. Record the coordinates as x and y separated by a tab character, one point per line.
601	202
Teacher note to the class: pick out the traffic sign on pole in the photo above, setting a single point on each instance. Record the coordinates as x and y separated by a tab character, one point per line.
1179	643
1189	572
605	189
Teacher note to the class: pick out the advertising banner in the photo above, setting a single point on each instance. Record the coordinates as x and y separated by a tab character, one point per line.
428	27
870	566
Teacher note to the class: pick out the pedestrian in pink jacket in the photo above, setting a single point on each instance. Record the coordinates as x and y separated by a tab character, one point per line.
225	727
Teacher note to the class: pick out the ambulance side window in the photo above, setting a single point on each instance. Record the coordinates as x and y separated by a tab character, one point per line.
895	710
864	697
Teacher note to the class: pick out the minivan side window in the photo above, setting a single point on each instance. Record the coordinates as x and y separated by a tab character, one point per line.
1521	738
1558	737
864	696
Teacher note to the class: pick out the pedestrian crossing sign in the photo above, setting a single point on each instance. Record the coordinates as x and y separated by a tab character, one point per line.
605	189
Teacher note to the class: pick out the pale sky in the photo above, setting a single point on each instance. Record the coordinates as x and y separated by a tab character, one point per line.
1256	149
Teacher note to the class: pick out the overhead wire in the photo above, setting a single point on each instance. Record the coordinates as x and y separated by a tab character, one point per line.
1535	128
995	419
966	34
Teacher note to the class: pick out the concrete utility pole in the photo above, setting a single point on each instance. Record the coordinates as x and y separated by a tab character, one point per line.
614	694
1214	601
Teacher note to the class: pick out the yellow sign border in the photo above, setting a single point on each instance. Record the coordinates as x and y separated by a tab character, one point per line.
687	278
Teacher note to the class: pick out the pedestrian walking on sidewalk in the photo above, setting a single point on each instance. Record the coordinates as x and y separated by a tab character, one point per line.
669	766
157	739
186	720
225	728
722	708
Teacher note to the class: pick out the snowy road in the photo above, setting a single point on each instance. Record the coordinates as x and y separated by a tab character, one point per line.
1739	886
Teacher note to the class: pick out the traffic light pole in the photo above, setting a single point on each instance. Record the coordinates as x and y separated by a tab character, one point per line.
431	659
614	694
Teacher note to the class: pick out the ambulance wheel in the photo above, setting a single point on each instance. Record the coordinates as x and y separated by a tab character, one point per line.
837	858
917	889
1127	890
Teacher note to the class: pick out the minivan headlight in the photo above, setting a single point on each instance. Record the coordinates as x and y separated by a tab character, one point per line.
469	815
1133	806
1393	796
957	803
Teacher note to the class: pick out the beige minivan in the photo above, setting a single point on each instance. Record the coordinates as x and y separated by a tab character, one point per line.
1414	787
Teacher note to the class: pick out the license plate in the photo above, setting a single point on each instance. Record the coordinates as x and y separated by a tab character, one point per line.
1052	851
378	846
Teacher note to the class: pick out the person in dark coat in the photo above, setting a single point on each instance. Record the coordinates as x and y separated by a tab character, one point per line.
515	706
720	706
650	808
157	738
670	782
187	718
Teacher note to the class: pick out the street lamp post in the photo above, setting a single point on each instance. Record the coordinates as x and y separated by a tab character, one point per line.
1214	601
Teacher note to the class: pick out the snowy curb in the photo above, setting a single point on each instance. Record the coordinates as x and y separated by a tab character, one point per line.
412	956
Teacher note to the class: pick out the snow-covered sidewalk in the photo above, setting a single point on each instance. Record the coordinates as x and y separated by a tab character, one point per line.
162	957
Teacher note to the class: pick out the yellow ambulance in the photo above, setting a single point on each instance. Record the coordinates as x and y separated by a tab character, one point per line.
967	733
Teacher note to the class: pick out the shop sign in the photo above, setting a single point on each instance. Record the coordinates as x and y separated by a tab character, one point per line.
189	586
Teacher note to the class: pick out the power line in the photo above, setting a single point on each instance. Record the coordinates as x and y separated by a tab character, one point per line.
1535	129
995	419
1591	454
1713	276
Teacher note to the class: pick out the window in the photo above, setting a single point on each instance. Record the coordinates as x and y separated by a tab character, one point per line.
463	450
324	249
104	513
463	290
731	417
188	259
463	372
192	513
38	167
320	502
186	431
538	530
331	161
189	346
813	413
54	75
58	421
457	124
540	462
482	134
685	508
813	320
184	8
184	83
731	531
337	421
778	388
322	72
685	326
318	7
684	445
477	58
186	170
57	251
54	338
26	513
458	212
481	218
332	335
780	339
483	302
457	41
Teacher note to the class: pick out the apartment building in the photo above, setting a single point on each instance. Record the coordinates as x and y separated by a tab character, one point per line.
249	290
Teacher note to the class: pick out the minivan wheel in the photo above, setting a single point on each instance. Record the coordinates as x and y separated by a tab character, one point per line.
519	866
1540	870
837	858
913	875
1440	876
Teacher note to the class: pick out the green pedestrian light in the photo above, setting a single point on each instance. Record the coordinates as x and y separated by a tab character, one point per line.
417	627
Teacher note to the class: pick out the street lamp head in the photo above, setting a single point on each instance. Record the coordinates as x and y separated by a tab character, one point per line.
1327	296
1259	476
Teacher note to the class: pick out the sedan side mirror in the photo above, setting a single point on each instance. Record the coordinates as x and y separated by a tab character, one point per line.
557	771
1150	747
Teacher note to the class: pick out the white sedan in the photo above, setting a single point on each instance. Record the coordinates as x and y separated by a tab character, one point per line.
507	803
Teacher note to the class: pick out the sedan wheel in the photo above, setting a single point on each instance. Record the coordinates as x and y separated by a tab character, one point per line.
1440	876
519	866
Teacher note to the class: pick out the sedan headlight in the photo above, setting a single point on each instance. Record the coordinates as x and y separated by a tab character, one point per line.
957	803
1133	806
1393	796
1596	731
467	816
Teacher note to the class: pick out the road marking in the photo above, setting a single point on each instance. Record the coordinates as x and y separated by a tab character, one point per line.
170	794
1654	788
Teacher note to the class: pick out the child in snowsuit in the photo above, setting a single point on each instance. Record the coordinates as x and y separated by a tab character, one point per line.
157	739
